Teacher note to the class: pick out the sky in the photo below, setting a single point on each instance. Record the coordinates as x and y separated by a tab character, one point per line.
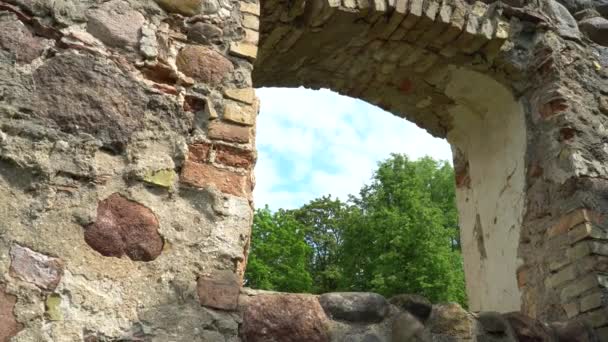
316	142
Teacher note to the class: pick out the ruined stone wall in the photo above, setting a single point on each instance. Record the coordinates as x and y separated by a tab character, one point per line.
127	132
125	169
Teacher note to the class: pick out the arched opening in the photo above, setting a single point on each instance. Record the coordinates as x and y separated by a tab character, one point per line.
329	173
440	74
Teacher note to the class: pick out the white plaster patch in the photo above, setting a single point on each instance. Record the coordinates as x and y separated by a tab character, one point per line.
489	128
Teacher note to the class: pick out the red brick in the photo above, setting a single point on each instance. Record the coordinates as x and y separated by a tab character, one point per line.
9	326
220	290
553	107
228	132
199	152
234	156
203	175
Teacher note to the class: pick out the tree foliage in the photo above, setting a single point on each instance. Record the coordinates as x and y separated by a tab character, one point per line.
398	235
279	255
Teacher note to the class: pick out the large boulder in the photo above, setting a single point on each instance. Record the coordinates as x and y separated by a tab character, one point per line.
451	320
355	306
284	318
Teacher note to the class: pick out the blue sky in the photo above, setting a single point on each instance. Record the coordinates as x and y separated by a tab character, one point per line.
315	142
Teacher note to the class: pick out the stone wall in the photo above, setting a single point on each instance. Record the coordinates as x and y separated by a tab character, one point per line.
127	133
125	169
369	317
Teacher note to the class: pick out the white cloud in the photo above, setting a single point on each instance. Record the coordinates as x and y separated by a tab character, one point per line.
313	143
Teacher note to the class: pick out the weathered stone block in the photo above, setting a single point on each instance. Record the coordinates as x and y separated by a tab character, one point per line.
203	175
592	301
245	50
124	227
584	284
36	268
451	320
250	7
285	317
204	64
586	231
571	220
355	306
116	24
244	95
562	19
220	290
597	318
244	115
9	326
18	40
251	21
83	93
185	7
252	37
562	276
228	132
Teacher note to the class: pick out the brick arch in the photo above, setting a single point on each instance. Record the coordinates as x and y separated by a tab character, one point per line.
396	54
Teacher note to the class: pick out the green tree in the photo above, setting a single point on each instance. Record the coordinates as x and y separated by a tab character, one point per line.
401	237
324	220
279	255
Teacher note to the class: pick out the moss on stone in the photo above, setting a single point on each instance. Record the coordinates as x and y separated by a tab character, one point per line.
53	301
162	178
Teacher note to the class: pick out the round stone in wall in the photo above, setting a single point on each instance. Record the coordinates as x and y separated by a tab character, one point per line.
596	29
124	227
205	33
355	306
115	23
204	64
285	318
